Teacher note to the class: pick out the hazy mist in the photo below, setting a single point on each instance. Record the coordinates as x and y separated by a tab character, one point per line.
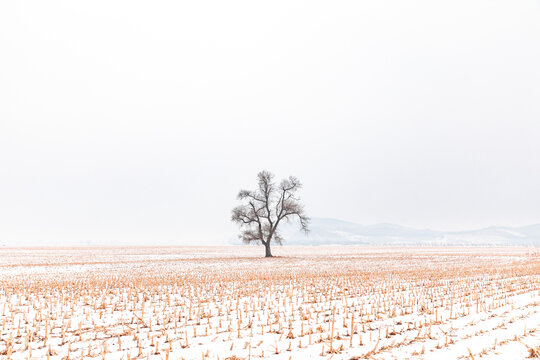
138	122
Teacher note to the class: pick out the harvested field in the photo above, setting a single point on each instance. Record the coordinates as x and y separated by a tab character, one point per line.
307	302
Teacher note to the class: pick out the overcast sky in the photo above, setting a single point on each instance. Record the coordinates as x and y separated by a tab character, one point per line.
139	121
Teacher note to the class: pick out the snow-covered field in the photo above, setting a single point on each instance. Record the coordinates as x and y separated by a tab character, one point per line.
308	302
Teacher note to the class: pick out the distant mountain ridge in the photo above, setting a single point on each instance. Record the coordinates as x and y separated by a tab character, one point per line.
326	231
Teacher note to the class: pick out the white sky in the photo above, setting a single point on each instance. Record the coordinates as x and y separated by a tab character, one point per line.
138	122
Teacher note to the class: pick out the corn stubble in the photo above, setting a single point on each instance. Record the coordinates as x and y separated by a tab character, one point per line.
340	303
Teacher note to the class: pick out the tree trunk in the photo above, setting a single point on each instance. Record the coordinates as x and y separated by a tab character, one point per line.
268	252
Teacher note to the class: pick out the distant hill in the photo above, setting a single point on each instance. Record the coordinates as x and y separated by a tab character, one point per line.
338	232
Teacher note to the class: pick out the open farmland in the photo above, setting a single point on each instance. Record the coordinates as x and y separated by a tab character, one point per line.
308	302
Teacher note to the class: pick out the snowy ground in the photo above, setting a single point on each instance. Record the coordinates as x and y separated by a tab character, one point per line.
309	302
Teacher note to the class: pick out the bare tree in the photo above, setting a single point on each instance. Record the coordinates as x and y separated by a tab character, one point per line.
264	209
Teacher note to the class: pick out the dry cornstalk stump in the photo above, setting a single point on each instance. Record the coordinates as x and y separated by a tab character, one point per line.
223	303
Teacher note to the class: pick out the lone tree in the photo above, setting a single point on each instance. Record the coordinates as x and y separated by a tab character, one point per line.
264	209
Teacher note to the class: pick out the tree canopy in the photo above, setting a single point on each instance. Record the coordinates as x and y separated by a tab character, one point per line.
264	209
